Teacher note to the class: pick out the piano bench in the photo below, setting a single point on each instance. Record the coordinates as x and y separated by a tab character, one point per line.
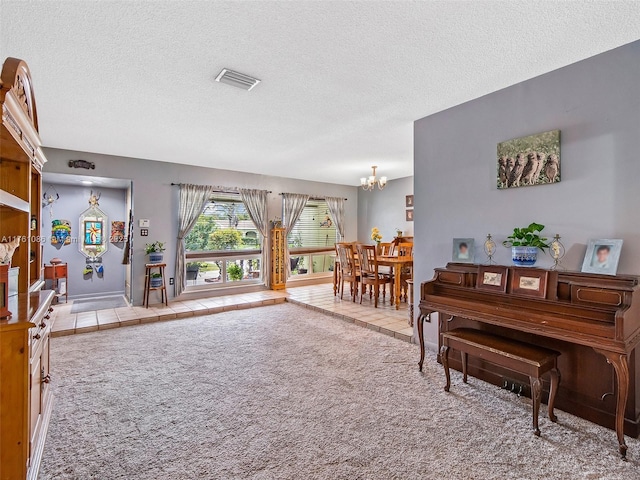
523	358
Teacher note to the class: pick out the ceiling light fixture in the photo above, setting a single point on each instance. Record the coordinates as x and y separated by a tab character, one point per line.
86	182
370	183
236	79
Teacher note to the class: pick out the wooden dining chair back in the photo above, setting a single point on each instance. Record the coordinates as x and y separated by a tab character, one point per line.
386	248
370	273
348	269
405	250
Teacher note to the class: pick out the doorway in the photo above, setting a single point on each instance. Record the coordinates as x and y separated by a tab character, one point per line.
95	248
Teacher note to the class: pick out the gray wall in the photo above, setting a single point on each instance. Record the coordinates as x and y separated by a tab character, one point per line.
73	201
384	209
596	105
155	199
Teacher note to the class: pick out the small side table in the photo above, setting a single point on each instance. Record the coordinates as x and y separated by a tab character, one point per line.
55	273
147	283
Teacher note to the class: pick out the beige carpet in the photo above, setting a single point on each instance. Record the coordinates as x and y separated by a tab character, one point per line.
283	392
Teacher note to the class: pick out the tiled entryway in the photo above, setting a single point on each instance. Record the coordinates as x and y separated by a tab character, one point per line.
385	319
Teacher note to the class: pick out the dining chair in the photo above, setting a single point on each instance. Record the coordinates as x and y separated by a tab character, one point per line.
386	248
370	275
348	269
405	250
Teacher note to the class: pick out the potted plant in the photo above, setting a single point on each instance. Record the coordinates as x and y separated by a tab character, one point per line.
235	272
525	243
192	270
156	280
154	250
301	269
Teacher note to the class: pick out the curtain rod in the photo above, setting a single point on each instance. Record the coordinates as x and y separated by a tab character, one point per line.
220	189
315	198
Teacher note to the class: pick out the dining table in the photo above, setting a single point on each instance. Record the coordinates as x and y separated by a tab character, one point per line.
397	263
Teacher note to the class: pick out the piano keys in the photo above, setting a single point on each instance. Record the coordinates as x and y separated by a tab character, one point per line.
592	320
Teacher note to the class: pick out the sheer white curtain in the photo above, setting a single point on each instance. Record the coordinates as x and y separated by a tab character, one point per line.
336	209
292	206
256	203
193	198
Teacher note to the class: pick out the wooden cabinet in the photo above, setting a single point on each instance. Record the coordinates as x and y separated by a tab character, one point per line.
25	398
278	265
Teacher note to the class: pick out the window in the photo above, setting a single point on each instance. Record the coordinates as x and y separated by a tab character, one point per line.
223	225
313	237
224	245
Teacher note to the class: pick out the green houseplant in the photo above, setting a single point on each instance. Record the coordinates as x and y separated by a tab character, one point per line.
235	272
525	243
156	280
154	250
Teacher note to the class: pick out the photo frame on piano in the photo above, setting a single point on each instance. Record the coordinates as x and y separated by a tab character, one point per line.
463	250
531	282
602	256
492	277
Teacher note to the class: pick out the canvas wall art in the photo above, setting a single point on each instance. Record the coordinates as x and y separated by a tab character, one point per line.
532	160
117	231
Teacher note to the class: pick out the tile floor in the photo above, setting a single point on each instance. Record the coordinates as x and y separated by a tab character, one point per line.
385	319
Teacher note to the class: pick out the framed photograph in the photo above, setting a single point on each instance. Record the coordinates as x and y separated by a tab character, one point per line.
532	160
492	277
531	282
463	250
409	216
602	256
409	201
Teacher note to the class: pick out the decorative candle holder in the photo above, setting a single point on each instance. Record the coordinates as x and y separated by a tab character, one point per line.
557	250
489	249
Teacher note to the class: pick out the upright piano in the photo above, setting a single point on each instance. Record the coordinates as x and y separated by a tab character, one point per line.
592	320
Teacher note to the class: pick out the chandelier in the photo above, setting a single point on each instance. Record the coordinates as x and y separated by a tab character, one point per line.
370	183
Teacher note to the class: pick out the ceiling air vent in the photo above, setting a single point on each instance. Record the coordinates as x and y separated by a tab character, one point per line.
236	79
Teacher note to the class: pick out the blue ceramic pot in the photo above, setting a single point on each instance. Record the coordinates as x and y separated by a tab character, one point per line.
156	282
524	256
156	257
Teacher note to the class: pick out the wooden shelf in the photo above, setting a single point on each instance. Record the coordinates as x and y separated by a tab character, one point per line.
14	202
24	338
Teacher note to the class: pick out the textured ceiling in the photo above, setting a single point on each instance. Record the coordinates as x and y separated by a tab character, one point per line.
342	82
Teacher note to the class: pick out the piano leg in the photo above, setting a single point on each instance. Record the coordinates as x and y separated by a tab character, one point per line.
621	367
464	366
536	392
421	339
444	356
555	382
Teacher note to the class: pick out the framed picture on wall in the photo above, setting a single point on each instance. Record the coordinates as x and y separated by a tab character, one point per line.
409	201
602	256
463	250
409	215
526	161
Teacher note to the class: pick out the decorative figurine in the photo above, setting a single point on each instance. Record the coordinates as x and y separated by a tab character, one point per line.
489	249
557	252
